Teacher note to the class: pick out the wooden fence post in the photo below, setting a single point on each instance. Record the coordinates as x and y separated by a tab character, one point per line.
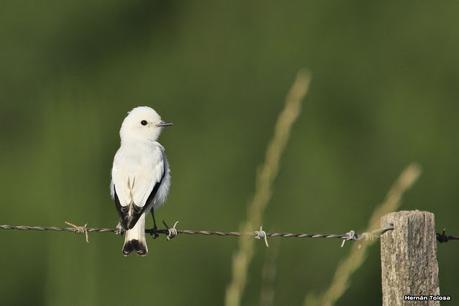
409	259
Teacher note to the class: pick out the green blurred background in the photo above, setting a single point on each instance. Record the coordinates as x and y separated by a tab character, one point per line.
384	93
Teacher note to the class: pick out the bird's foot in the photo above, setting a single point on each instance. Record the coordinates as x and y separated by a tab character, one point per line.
119	229
154	232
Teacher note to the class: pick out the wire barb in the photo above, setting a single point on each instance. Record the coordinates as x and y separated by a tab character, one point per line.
172	231
351	235
261	234
80	229
443	238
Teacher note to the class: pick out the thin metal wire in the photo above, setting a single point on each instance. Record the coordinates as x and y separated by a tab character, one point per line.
442	237
172	232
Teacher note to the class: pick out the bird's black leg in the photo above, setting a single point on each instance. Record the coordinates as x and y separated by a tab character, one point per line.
155	228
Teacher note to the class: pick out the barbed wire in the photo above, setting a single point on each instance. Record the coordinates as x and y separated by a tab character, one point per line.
172	232
442	237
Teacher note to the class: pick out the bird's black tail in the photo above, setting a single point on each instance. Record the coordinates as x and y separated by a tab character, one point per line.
134	239
134	245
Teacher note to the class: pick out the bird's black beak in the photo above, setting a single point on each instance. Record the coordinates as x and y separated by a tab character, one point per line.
164	124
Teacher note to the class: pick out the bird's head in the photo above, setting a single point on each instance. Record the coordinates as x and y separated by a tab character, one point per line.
142	124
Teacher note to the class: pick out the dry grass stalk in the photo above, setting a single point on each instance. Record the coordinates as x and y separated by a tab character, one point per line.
358	251
264	181
268	276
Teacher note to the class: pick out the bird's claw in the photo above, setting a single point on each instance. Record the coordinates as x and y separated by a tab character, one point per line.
154	232
119	230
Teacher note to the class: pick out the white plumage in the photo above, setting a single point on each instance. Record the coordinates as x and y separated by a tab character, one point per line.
140	175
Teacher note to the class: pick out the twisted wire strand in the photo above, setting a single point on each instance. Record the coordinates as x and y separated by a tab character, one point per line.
351	235
172	232
56	228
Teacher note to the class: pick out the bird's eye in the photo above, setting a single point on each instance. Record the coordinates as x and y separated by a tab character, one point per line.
143	122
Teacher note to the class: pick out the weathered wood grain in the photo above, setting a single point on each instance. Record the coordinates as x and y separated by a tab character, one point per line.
409	258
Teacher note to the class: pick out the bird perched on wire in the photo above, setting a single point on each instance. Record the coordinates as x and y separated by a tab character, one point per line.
140	175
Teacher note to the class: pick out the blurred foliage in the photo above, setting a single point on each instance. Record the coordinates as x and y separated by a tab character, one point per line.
384	93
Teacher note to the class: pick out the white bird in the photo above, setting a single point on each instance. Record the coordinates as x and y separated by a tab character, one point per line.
140	175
